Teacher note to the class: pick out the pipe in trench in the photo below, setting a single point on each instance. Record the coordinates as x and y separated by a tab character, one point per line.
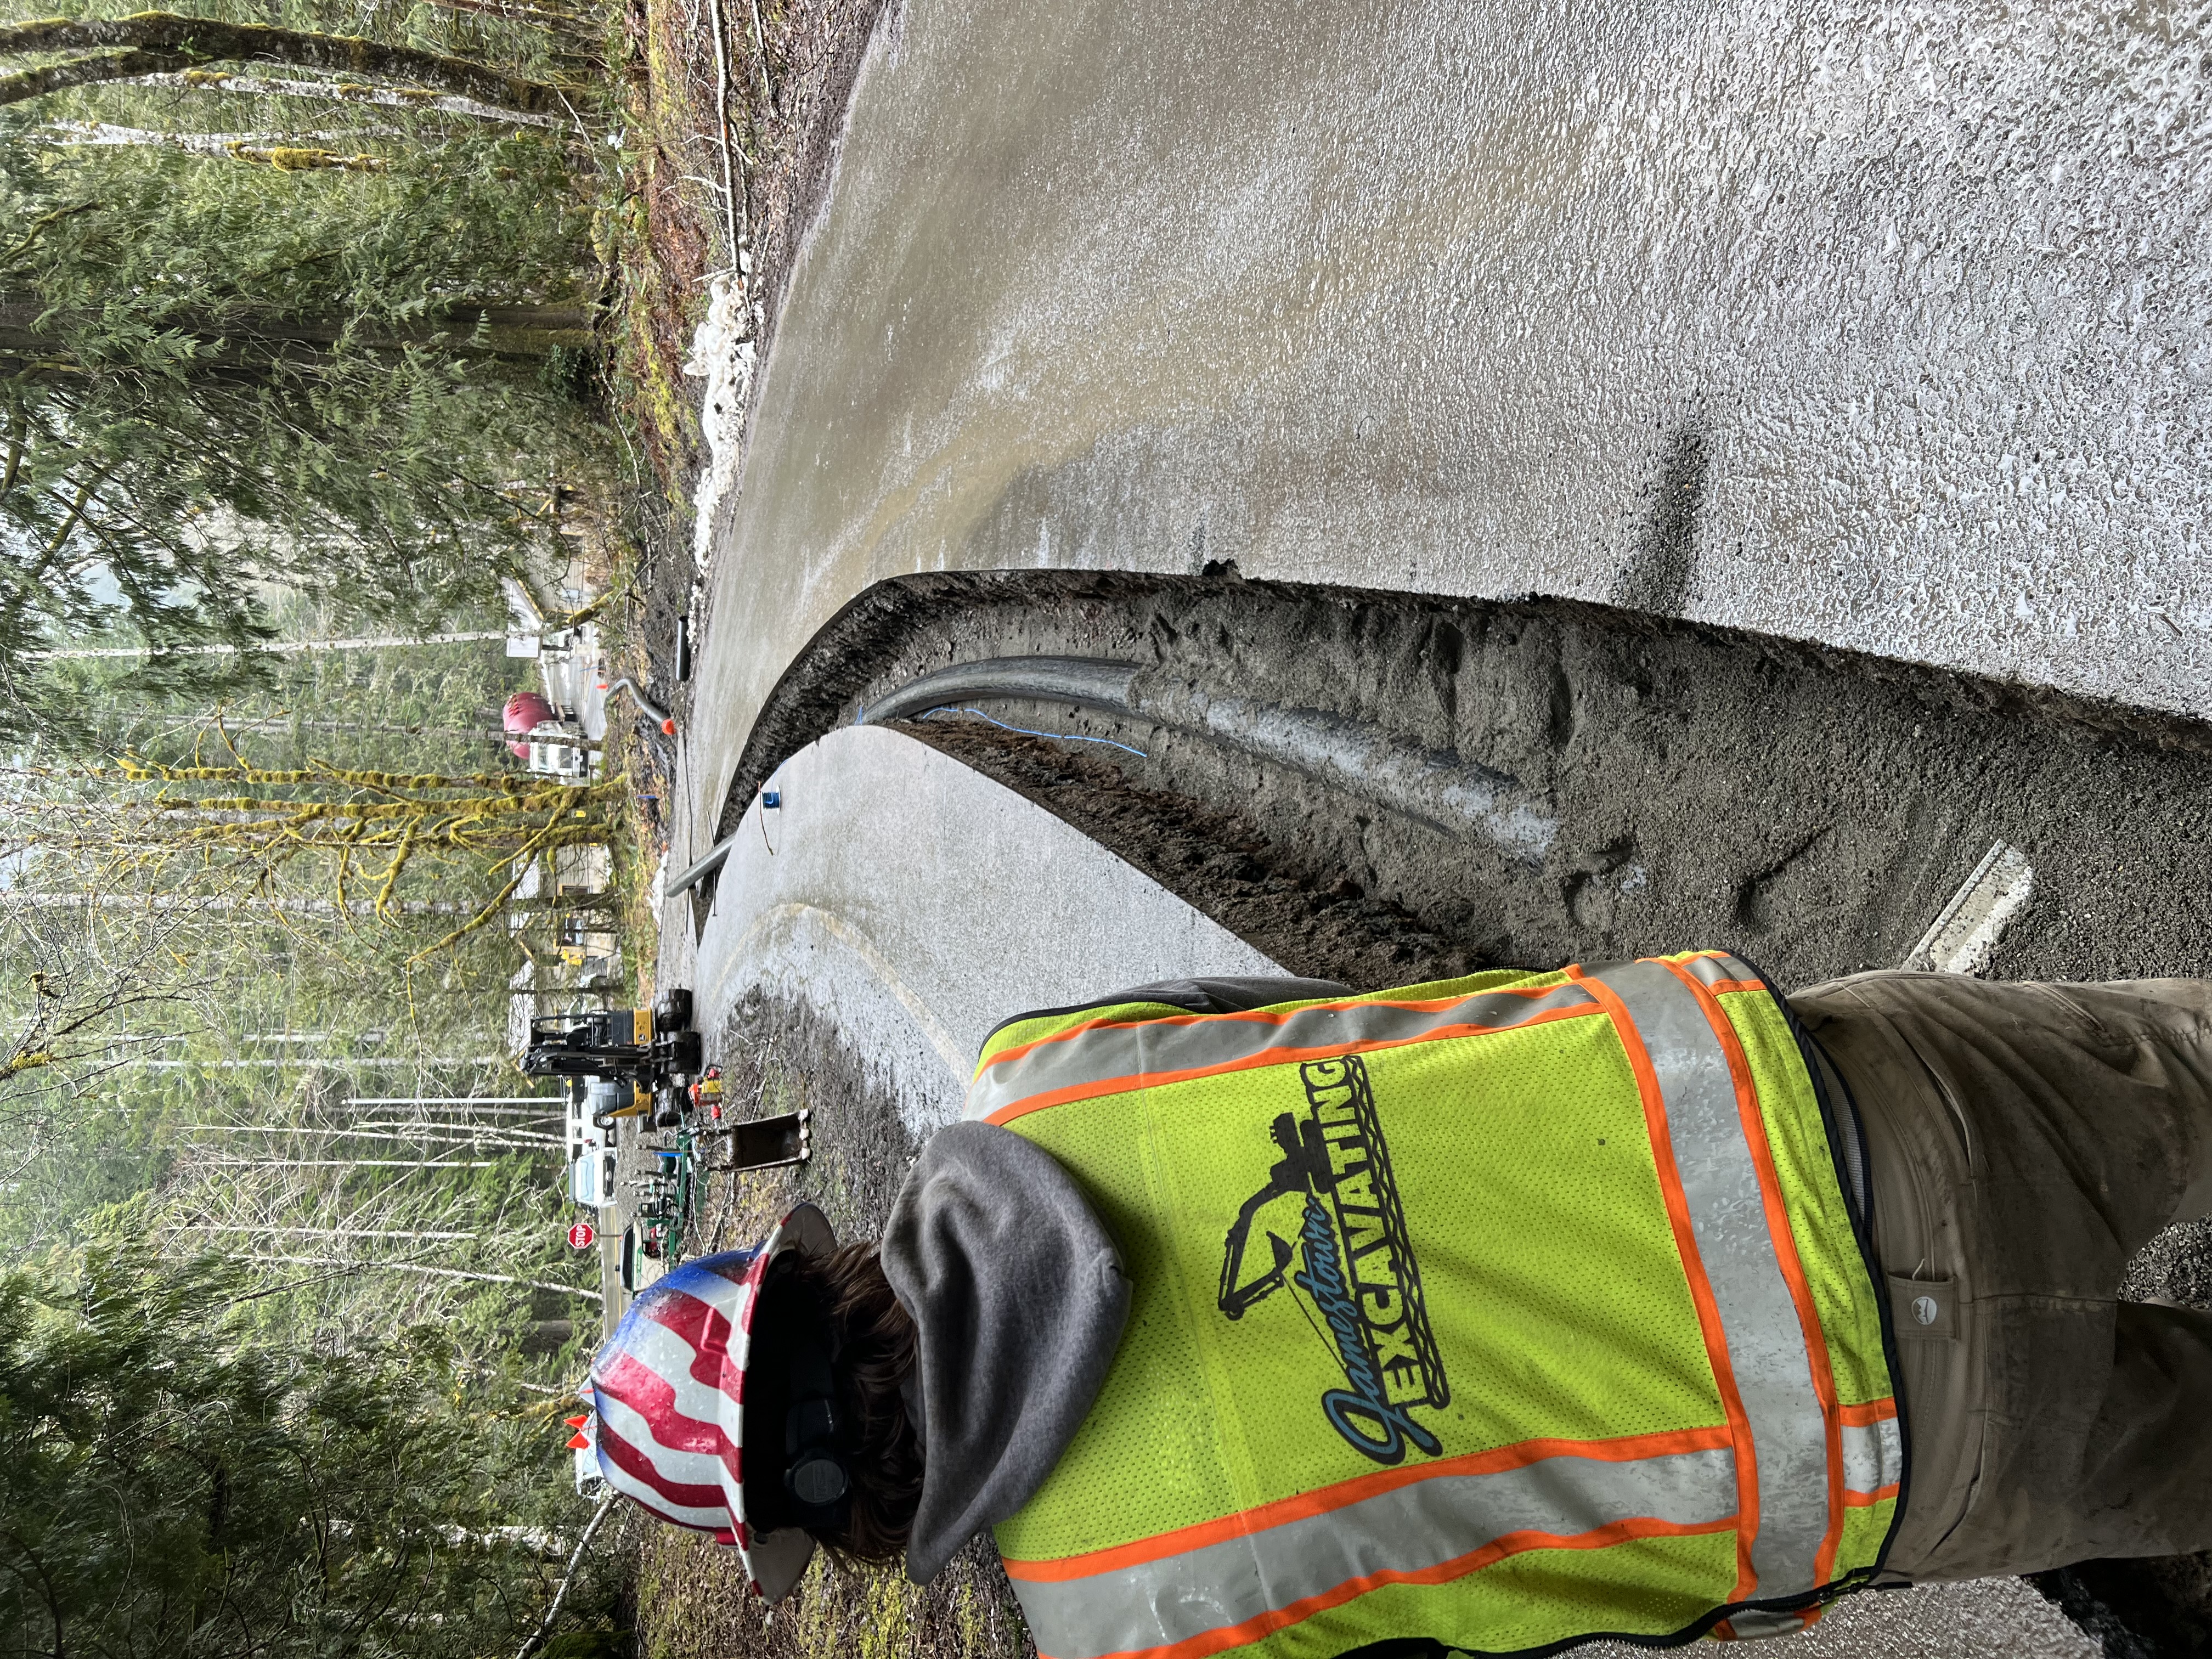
652	710
1435	788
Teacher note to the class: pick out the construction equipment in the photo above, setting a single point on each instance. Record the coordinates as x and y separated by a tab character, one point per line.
644	1048
668	1201
767	1143
647	1063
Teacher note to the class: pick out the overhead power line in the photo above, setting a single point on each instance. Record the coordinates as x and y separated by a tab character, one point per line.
548	1104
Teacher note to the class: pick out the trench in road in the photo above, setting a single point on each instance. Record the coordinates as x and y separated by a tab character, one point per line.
1813	808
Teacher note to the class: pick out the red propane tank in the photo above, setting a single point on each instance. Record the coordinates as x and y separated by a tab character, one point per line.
525	711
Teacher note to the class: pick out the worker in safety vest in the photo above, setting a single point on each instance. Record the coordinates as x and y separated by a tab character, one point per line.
1256	1317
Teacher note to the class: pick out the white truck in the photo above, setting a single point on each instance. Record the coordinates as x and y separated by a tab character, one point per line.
591	1148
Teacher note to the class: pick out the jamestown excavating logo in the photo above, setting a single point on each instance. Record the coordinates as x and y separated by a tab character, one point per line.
1355	1263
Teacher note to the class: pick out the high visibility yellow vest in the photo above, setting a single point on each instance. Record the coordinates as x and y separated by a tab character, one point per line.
1502	1311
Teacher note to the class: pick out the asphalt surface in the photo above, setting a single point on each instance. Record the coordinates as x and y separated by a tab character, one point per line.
1871	324
915	903
1990	1619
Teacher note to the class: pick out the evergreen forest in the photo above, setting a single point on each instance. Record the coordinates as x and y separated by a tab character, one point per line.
302	387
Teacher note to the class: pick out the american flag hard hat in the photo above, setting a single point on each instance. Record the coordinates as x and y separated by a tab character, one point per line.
666	1388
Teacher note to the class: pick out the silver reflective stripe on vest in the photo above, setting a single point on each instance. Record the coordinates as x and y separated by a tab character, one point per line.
1411	1529
1719	968
1873	1455
1125	1055
1758	1317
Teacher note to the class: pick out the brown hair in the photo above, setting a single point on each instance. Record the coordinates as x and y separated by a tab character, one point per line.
873	1337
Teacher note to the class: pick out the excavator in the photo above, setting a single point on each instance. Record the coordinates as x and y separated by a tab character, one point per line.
647	1048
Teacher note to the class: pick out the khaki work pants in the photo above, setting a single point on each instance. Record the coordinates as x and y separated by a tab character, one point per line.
2023	1141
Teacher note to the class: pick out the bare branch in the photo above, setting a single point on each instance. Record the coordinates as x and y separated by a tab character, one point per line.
153	41
536	1637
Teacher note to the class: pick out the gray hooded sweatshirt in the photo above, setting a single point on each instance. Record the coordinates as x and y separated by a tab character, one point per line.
1018	1300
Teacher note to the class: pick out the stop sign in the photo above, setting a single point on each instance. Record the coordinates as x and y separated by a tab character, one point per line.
581	1235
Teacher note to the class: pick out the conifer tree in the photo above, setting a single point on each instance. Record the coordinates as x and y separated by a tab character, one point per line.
212	375
171	1483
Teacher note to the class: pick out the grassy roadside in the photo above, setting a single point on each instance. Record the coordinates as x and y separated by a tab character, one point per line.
660	236
790	66
694	1603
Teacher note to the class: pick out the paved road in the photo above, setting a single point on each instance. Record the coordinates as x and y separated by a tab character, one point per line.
1875	323
917	903
1872	324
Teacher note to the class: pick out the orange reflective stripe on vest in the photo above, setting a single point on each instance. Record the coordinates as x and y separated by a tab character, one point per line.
1110	1057
1232	1581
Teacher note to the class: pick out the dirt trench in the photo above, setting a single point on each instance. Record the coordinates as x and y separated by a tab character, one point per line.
1811	808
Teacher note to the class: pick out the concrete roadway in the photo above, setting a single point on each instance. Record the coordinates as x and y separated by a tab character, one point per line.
1875	323
916	904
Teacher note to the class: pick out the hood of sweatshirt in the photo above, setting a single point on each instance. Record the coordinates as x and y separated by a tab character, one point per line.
1018	1301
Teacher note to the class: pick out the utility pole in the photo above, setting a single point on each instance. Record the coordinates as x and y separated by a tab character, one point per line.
191	904
429	1272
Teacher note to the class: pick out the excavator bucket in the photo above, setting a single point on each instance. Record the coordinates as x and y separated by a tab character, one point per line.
768	1142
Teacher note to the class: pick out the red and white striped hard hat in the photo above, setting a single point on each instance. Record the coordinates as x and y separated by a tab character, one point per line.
667	1386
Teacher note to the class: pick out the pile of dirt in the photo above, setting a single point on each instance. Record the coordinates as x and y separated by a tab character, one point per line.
662	236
